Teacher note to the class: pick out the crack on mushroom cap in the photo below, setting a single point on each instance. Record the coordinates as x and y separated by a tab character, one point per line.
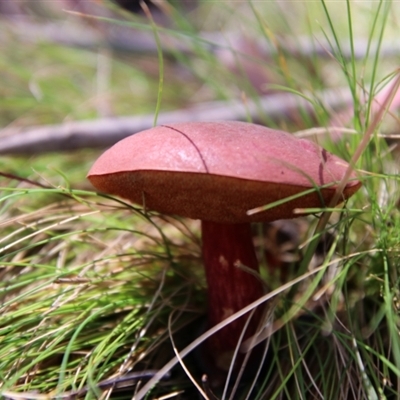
193	144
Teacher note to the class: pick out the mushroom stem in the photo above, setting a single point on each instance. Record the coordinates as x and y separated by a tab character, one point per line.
227	247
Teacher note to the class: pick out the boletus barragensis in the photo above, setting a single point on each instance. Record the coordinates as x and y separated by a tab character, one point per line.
215	172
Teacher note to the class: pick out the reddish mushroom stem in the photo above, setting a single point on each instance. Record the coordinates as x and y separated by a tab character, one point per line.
230	288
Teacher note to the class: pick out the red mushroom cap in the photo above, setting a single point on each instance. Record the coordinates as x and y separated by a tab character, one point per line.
216	171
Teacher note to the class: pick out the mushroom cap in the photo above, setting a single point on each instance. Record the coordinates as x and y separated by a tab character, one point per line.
217	171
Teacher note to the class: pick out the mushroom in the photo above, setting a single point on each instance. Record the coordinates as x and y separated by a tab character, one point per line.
216	172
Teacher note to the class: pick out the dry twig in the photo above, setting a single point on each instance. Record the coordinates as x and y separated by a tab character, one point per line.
107	131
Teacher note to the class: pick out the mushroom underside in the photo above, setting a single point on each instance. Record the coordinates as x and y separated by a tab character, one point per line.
211	197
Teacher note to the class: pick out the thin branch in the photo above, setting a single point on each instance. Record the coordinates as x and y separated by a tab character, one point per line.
107	131
141	40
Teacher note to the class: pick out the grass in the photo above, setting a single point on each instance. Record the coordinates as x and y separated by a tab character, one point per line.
94	290
83	311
